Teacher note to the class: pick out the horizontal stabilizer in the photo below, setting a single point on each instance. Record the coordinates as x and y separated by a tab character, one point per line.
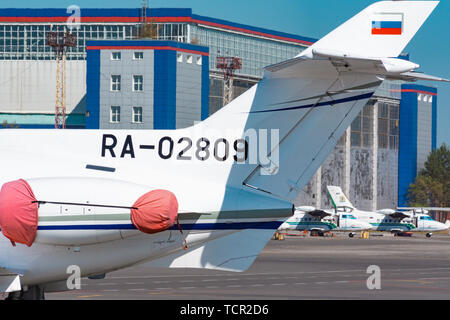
284	64
415	76
233	252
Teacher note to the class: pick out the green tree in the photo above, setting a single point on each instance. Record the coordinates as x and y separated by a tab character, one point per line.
149	29
431	187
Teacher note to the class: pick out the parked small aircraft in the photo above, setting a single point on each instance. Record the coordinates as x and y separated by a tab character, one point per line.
387	219
308	218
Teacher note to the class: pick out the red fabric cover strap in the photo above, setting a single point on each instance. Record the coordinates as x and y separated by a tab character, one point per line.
18	212
155	211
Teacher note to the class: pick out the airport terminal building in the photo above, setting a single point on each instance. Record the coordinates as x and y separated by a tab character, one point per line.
117	80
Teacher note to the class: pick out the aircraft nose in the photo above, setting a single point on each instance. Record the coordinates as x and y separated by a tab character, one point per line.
441	226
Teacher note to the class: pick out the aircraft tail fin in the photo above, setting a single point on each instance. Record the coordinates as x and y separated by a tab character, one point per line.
383	29
308	102
338	197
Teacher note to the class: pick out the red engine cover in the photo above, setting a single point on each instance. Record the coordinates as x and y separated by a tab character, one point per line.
18	212
155	211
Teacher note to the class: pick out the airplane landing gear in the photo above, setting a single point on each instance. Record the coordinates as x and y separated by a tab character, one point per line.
351	234
32	293
429	234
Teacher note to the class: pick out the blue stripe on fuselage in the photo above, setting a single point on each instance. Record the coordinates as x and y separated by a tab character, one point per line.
187	226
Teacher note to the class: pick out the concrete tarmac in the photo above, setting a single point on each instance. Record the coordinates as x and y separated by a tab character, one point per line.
298	267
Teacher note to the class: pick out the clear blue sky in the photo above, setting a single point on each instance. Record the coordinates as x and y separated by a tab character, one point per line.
312	18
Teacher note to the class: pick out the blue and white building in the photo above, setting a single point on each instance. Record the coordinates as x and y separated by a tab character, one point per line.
418	114
142	84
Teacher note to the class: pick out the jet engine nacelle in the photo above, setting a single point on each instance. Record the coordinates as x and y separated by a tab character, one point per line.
82	211
305	208
386	211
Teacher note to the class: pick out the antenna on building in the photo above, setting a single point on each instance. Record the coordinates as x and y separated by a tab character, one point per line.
60	41
144	7
228	65
148	27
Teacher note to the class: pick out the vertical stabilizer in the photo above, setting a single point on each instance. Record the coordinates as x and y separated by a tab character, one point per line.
383	29
338	197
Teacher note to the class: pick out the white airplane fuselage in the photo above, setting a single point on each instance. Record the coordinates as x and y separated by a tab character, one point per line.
100	240
302	221
381	222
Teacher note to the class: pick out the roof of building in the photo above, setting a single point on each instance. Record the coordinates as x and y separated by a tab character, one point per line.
132	15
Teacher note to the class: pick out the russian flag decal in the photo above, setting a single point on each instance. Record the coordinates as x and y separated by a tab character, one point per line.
387	24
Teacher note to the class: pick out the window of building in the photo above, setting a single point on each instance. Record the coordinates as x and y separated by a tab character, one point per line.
393	142
355	139
115	114
189	59
199	60
388	125
383	110
383	141
362	127
116	55
137	115
138	55
138	83
393	111
115	82
180	57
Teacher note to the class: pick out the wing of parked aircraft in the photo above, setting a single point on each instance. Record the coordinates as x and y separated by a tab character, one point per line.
394	214
425	208
314	212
